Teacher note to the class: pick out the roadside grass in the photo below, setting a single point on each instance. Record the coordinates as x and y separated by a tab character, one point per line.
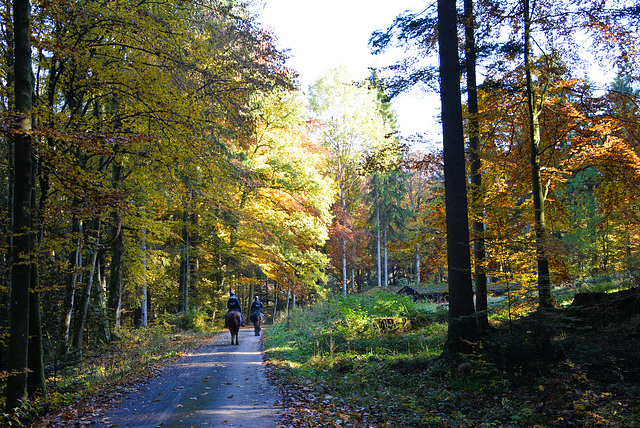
374	361
131	356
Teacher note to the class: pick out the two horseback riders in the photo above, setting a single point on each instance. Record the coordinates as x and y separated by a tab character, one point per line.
256	311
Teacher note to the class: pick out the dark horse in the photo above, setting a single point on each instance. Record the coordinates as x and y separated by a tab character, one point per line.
257	318
233	322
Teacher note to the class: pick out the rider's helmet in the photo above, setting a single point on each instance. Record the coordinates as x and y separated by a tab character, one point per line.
232	294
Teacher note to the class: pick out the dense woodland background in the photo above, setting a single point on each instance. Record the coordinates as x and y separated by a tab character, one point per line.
175	159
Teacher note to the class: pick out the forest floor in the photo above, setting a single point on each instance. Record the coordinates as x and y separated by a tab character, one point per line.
570	367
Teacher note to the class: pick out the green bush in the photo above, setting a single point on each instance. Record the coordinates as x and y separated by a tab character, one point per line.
373	323
195	320
21	415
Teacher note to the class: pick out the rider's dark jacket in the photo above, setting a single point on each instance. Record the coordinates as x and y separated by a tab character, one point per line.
234	304
257	306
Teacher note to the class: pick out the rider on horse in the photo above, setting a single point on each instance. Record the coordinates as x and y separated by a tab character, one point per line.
256	306
234	305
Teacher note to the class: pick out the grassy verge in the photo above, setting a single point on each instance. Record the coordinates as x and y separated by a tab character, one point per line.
373	361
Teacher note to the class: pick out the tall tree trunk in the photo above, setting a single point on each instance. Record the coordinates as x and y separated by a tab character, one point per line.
7	15
386	258
83	306
462	324
275	304
353	280
288	299
194	262
343	201
183	283
104	333
378	239
36	380
116	276
75	261
144	304
479	260
544	281
418	279
17	361
85	293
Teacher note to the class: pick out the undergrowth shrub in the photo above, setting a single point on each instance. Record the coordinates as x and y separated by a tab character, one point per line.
373	323
195	320
21	415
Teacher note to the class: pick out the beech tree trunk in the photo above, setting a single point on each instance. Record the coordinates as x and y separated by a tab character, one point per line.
479	260
344	244
116	269
75	260
183	284
17	361
85	294
462	323
36	380
144	304
544	282
116	277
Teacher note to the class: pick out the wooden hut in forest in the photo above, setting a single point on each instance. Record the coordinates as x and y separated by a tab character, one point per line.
434	293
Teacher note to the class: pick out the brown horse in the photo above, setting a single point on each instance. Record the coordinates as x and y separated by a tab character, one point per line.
257	318
233	322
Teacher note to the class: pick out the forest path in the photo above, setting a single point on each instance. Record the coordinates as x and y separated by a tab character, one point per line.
217	385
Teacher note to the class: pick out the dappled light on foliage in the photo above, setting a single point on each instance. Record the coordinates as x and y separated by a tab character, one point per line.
349	362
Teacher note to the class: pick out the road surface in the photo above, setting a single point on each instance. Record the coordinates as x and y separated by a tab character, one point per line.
218	385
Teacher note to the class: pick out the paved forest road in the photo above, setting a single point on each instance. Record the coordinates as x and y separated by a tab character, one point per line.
218	385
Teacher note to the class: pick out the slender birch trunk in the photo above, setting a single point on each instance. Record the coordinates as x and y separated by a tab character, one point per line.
378	236
75	260
104	333
386	258
418	279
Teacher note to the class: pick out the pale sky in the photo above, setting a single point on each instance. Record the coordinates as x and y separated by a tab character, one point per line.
321	35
